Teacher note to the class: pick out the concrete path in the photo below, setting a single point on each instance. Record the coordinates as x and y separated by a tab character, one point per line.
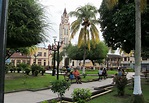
34	97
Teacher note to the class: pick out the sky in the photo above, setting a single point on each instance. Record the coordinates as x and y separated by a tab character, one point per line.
54	10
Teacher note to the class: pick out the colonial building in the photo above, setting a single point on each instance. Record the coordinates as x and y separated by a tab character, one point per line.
40	57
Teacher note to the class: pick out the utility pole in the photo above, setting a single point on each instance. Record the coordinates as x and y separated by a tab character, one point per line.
3	18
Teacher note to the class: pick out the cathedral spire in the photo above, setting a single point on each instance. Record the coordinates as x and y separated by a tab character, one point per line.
65	12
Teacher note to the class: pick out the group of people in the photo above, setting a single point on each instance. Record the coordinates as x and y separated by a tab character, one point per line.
102	73
72	74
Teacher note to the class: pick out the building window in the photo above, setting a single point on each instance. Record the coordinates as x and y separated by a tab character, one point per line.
39	61
44	62
39	53
44	54
125	58
12	61
18	61
28	61
128	59
24	61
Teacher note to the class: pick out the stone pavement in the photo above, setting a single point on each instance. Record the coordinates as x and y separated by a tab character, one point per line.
37	96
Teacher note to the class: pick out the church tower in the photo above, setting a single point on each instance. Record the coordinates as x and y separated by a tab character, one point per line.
64	28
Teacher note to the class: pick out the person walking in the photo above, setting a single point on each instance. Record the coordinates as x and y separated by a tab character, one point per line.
100	74
104	73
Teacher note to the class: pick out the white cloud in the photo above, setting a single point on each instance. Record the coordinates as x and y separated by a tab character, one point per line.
54	10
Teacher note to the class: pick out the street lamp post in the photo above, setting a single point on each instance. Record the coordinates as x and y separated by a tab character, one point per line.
55	48
58	46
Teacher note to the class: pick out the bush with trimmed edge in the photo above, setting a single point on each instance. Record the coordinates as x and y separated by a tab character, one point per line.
81	95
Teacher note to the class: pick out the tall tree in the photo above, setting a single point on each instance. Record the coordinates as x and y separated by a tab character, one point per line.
137	93
26	22
86	25
113	25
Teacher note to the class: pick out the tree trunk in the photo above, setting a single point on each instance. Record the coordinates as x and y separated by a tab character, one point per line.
84	56
93	64
137	92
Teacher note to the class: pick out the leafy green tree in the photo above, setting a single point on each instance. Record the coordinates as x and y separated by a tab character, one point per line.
99	53
86	25
26	22
139	5
74	52
94	54
113	24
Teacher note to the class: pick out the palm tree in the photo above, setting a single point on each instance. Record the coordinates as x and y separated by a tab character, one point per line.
139	5
85	24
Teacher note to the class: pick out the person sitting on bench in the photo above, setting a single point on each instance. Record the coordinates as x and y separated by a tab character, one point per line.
77	76
71	76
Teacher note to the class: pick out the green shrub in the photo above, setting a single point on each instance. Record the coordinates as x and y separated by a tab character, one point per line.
36	72
19	69
121	82
59	87
42	70
22	67
35	69
27	70
6	68
11	67
81	95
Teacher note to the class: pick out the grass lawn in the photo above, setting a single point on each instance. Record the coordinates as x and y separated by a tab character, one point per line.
20	81
113	98
110	72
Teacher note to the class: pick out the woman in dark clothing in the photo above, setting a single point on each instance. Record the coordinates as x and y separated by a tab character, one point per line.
104	73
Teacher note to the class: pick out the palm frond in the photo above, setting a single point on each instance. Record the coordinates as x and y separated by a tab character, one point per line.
95	32
75	26
111	3
73	13
85	15
143	5
88	39
81	37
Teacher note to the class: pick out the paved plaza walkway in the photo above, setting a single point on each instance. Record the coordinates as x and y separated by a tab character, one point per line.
37	96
